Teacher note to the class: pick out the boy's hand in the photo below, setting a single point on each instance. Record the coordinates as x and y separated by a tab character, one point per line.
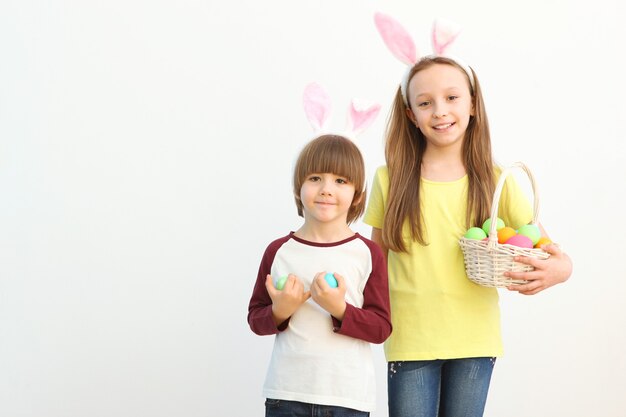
330	299
285	302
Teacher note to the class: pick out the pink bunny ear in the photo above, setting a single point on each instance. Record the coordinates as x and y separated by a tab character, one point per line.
397	39
361	115
444	34
316	105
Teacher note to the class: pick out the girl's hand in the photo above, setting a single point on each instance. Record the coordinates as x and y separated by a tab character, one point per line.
285	302
548	272
330	299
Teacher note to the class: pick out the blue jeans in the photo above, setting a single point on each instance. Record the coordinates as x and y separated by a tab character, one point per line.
439	388
284	408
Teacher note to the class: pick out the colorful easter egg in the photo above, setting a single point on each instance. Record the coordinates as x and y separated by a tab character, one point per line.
542	241
487	225
530	230
475	233
330	279
520	241
280	284
505	234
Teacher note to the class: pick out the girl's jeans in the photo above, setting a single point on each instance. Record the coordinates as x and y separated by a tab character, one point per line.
284	408
439	388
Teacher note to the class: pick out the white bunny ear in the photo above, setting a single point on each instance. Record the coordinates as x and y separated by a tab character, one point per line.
444	34
397	39
361	115
316	105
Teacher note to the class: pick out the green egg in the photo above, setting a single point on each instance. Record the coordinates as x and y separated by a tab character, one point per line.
475	233
487	225
531	231
280	284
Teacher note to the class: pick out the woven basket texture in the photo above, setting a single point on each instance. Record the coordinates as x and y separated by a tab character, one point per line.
487	261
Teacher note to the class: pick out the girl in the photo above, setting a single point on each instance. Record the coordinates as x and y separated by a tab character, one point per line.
439	180
321	362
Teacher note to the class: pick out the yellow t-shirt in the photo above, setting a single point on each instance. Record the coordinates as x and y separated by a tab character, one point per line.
436	311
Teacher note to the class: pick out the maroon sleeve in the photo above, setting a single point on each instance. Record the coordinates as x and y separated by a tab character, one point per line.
372	322
260	307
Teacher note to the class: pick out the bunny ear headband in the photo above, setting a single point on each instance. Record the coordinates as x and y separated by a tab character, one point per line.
401	44
317	108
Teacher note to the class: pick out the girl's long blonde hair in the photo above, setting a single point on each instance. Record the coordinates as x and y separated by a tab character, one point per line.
404	149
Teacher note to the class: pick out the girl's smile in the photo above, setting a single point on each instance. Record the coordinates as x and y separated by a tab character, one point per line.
443	127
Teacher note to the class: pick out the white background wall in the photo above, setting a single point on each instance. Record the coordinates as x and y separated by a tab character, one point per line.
146	150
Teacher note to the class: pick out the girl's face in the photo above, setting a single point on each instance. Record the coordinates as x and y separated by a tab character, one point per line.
326	199
441	104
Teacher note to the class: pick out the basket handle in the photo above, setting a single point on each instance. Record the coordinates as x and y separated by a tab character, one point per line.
493	236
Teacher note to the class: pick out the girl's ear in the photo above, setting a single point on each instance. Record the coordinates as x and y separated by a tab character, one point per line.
410	115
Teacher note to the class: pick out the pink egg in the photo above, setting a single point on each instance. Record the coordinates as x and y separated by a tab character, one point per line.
520	241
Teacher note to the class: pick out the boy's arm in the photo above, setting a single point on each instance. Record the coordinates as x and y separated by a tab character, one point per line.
260	316
372	322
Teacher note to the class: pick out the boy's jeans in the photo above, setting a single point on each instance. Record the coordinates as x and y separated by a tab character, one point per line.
284	408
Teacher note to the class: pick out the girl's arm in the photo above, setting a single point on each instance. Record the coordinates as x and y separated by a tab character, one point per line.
377	237
548	272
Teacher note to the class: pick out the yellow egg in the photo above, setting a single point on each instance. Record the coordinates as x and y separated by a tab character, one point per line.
542	241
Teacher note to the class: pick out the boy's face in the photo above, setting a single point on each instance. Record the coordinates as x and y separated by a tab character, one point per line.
326	199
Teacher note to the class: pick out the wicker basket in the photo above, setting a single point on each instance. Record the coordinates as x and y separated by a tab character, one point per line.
487	261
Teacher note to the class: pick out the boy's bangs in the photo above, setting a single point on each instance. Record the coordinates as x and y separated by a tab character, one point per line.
334	160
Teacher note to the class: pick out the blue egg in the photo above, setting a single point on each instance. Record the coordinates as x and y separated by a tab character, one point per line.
330	279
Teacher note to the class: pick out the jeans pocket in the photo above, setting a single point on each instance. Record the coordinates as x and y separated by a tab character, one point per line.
393	368
272	403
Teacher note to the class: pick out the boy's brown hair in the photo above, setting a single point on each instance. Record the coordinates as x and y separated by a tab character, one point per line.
336	155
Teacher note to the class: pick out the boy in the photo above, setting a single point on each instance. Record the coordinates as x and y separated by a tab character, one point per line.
321	358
